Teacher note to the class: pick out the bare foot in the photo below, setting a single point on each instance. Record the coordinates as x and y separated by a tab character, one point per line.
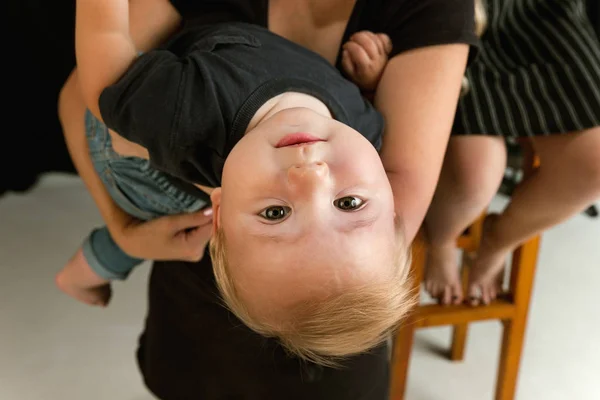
78	280
442	278
486	275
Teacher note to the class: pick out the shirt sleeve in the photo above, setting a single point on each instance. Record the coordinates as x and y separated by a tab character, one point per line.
413	24
144	105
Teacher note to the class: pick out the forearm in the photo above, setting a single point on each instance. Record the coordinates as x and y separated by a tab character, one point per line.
104	48
418	95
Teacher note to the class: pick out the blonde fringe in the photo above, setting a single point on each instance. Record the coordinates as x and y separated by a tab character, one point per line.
324	331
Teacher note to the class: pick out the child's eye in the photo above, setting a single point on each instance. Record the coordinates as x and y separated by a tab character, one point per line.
275	213
349	203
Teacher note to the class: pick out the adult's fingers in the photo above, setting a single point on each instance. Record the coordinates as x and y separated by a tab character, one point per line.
186	221
195	242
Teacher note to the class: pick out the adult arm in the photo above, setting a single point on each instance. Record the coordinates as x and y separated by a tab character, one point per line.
418	95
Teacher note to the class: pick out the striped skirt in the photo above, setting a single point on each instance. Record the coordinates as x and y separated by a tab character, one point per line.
538	72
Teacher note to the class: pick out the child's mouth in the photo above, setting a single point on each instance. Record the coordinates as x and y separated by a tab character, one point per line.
297	139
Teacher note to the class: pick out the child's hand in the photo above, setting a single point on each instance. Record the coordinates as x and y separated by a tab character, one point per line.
364	58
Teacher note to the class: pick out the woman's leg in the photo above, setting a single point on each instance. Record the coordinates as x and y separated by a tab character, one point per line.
471	174
567	181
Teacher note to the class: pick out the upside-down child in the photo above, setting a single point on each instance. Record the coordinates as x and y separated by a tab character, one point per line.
305	243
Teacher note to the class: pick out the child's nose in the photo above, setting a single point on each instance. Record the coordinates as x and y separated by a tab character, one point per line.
309	175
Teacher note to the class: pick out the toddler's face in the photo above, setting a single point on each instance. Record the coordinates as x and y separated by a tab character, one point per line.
305	216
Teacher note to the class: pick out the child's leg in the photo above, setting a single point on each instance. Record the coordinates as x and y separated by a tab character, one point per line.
79	281
106	258
78	278
138	189
87	275
471	174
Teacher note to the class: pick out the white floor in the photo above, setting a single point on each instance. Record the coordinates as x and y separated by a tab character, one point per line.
52	348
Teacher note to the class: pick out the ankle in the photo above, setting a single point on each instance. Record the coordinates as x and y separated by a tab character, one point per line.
495	238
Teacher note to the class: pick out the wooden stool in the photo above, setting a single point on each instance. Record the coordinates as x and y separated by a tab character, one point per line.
511	308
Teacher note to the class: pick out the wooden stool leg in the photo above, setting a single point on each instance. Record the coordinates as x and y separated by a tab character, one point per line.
403	342
459	341
460	332
401	359
522	275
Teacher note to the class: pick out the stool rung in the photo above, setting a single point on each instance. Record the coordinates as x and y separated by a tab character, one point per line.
467	243
437	315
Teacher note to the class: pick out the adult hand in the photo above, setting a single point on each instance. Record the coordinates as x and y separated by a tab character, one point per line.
174	237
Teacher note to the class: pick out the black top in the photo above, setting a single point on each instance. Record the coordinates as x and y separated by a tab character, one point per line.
190	103
410	24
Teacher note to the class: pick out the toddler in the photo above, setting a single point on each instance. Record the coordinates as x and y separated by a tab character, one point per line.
305	243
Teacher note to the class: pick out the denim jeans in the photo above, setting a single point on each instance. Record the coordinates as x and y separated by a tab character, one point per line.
140	190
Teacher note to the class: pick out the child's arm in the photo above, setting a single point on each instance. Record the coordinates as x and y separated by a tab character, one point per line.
364	58
103	45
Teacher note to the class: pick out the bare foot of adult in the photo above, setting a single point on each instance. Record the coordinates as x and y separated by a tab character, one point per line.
78	280
486	275
442	278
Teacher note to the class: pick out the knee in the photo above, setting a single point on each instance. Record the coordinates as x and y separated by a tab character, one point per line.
478	182
582	164
474	168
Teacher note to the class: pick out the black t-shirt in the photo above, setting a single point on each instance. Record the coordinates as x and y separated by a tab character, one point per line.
190	103
410	24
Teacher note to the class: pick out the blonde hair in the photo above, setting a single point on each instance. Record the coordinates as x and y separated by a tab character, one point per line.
325	330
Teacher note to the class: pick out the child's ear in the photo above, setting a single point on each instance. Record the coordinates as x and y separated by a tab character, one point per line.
215	198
